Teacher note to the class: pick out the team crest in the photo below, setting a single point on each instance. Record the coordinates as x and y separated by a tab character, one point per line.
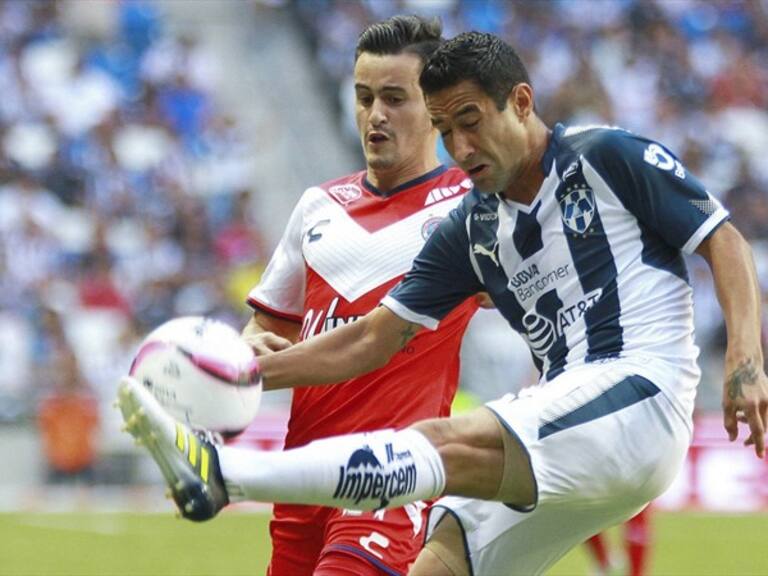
578	207
430	226
345	193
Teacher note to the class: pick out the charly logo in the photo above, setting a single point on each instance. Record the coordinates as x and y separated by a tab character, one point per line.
578	208
312	234
345	193
364	477
430	226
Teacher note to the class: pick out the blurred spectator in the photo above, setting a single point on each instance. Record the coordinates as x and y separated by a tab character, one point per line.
68	414
121	197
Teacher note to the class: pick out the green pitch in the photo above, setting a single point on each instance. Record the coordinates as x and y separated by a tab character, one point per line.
238	544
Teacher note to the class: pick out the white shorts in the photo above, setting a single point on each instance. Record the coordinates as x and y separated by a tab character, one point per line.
603	442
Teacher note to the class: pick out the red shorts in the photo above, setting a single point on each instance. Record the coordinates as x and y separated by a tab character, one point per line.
313	540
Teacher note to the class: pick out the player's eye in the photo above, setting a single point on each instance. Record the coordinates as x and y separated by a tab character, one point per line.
471	125
365	100
395	100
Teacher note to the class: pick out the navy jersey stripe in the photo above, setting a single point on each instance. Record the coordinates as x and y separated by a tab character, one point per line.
661	255
527	234
548	306
596	268
629	391
483	231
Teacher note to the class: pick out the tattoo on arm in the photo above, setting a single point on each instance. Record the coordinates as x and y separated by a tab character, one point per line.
408	333
744	375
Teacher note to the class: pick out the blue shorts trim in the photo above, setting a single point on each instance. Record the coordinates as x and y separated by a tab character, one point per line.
631	390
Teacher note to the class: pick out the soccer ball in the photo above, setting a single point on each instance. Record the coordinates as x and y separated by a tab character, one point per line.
201	372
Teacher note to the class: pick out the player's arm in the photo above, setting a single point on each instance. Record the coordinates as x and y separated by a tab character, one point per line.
342	353
278	299
745	392
267	333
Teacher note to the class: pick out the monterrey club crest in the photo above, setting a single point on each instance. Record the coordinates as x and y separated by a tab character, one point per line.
578	207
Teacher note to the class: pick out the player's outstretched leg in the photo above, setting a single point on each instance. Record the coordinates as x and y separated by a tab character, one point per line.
364	471
188	461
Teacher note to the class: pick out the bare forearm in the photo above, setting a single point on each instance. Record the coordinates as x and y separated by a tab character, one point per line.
261	322
745	391
343	353
738	292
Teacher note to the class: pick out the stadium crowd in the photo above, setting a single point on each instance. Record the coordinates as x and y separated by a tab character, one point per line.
125	195
693	75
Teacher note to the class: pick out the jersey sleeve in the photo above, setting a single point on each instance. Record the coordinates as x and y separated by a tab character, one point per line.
441	278
280	292
657	189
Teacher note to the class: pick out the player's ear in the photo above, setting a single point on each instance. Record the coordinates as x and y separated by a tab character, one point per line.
521	100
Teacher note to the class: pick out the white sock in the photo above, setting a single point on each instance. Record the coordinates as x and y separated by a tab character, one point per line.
382	469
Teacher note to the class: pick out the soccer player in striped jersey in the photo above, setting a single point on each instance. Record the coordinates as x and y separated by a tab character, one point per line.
578	238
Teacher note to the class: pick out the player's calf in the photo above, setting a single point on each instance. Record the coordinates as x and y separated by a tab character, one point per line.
383	469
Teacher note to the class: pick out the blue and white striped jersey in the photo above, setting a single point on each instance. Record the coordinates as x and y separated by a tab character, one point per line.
592	269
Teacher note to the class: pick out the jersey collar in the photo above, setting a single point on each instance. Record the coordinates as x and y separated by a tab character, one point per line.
415	182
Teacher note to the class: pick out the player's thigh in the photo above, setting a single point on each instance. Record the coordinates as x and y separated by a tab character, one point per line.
472	450
445	553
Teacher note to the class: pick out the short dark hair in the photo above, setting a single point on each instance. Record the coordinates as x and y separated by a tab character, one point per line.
401	34
481	58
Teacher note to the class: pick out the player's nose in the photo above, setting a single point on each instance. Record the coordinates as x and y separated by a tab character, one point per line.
462	149
378	115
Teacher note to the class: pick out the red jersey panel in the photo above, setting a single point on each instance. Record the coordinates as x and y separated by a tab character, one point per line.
344	248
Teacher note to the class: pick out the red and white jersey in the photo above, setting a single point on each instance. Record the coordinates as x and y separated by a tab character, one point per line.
344	247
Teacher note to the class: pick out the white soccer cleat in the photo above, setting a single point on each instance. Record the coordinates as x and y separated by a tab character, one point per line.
188	460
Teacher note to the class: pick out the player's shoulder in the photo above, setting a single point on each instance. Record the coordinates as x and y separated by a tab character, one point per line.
593	139
344	190
600	145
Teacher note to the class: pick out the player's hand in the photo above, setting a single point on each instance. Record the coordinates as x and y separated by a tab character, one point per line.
745	400
483	300
267	343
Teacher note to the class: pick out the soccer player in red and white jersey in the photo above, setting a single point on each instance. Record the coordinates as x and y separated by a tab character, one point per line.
348	242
